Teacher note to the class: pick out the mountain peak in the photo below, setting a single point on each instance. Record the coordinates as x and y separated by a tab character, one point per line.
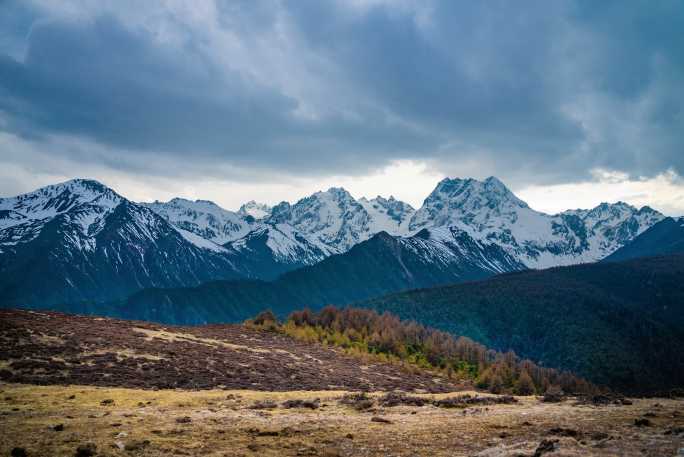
195	205
90	199
77	185
203	218
618	207
495	183
449	183
338	193
176	201
467	201
89	182
470	192
255	209
75	191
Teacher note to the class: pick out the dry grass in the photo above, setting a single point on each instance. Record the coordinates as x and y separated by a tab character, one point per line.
222	424
171	337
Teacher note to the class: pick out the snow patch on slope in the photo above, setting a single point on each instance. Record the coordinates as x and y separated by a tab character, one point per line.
203	218
201	242
388	215
257	210
492	214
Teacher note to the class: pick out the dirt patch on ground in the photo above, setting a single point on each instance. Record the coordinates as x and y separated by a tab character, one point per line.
46	348
58	421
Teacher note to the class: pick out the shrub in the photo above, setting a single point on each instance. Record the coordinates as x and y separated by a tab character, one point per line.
265	320
553	394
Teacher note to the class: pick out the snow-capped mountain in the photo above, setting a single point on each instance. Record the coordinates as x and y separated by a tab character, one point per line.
489	212
265	247
331	222
257	210
27	211
335	221
204	218
273	249
611	226
388	214
274	240
80	240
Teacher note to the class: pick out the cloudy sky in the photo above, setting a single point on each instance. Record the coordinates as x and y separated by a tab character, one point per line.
570	103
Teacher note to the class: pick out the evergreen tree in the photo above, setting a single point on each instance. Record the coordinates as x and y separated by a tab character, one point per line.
524	384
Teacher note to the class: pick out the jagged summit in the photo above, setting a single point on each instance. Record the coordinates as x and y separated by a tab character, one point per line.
380	198
491	190
50	201
187	201
204	218
191	205
335	221
79	240
389	214
79	186
481	223
488	211
340	191
255	209
457	200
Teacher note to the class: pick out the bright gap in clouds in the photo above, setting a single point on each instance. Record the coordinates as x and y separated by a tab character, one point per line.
405	180
410	181
664	192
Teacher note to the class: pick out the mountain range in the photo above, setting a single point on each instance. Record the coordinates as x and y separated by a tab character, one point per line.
596	291
81	241
373	268
331	222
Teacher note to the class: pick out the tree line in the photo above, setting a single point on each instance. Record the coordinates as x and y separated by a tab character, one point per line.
364	331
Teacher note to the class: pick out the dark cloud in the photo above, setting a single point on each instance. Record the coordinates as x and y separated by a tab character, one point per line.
540	91
122	88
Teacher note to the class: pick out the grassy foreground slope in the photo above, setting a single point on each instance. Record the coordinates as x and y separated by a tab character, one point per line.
335	350
620	324
54	348
319	385
59	420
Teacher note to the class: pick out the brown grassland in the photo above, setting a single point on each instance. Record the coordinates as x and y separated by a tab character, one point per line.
223	423
82	386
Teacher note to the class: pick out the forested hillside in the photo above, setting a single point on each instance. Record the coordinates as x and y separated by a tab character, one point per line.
380	265
362	331
619	324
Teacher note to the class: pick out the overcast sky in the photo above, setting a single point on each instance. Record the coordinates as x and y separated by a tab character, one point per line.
570	103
